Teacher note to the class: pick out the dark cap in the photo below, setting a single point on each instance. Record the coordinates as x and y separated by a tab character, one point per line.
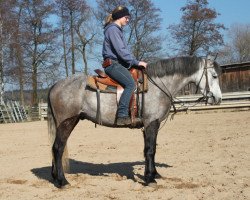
120	13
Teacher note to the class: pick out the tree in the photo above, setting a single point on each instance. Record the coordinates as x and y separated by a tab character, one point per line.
237	49
60	10
1	53
240	37
39	40
86	33
6	32
197	32
75	18
18	48
143	26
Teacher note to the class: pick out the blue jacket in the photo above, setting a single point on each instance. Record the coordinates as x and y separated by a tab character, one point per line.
115	46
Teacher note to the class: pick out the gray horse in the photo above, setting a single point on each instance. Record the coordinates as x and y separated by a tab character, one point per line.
70	100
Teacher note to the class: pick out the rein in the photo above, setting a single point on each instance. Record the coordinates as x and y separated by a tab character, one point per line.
207	85
168	94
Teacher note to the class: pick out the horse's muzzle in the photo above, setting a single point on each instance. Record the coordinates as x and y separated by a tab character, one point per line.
213	100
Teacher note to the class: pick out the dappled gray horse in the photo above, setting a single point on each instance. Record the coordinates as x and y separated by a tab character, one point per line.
70	100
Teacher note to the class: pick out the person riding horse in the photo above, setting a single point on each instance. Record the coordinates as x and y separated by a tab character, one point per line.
118	60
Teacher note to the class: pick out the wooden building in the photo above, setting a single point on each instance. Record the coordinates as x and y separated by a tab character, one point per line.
235	77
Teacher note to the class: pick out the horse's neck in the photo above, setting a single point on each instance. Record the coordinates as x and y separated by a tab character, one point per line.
172	84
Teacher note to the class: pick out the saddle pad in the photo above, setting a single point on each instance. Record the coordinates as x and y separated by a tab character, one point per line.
93	84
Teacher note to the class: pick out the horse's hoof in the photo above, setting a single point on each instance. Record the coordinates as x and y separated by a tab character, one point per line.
61	183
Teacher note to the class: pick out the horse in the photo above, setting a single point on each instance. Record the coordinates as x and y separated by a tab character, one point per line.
70	100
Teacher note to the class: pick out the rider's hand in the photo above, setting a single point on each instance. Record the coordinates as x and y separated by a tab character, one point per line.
143	64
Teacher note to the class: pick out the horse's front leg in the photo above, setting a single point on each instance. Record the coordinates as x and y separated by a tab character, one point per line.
150	136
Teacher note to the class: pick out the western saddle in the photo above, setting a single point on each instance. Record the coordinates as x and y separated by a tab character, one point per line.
103	83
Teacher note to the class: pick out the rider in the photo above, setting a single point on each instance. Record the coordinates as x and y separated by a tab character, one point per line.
118	59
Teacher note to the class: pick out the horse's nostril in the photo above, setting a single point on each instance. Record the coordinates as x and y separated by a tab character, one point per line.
220	100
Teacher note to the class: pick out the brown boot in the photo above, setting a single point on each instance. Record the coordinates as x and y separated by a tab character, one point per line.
123	121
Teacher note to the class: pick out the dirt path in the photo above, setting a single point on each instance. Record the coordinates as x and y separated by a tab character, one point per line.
200	156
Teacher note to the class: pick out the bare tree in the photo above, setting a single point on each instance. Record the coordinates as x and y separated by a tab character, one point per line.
61	10
39	39
18	48
73	15
5	40
86	31
197	32
1	56
143	26
237	49
240	37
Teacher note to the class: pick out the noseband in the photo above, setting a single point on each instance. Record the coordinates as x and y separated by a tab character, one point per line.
208	92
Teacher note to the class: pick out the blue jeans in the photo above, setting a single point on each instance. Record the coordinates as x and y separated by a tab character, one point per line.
122	75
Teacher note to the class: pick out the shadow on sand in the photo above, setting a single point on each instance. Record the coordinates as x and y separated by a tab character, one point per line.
76	167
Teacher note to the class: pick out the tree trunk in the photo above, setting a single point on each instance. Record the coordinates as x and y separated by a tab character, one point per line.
19	55
72	43
64	47
20	74
34	85
1	63
85	60
34	70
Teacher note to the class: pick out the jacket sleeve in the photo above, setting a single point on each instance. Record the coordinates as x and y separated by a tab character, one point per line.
121	49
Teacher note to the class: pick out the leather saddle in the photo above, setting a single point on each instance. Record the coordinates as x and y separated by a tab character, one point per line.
103	83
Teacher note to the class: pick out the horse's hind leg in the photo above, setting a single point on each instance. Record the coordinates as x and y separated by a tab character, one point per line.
62	135
150	136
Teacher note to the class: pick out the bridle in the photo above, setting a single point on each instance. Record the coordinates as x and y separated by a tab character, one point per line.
208	94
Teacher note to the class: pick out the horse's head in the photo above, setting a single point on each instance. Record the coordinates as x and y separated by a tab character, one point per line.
208	81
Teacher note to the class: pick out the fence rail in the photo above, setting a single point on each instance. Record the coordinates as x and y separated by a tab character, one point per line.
233	101
13	112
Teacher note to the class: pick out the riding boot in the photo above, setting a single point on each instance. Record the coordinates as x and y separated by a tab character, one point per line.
123	121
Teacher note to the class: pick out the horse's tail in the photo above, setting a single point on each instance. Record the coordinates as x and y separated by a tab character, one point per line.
52	135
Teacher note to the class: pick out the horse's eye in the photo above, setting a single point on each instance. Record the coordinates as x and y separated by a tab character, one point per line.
214	75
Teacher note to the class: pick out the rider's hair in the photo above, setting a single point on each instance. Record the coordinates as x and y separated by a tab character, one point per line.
118	11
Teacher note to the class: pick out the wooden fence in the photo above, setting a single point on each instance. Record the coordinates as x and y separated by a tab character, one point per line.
230	101
13	112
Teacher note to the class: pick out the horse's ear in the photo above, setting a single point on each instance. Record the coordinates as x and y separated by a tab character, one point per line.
215	57
208	57
211	57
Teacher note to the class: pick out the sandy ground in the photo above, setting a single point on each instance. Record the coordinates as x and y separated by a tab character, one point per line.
200	156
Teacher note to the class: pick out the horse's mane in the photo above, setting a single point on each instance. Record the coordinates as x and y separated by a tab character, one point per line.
185	66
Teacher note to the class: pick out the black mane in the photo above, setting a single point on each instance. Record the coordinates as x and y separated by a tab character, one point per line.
185	66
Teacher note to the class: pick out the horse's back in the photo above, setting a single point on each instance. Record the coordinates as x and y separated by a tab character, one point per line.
66	96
